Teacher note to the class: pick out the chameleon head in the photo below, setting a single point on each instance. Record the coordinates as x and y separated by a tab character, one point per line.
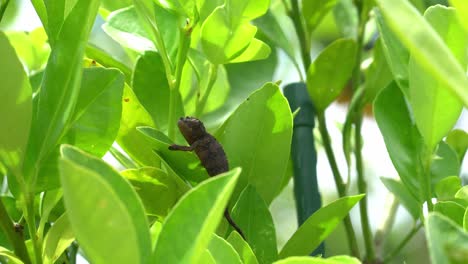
191	128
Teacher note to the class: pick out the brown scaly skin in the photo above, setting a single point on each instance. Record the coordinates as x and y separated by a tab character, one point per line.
209	151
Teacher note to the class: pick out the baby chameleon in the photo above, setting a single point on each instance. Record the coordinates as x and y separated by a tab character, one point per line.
208	150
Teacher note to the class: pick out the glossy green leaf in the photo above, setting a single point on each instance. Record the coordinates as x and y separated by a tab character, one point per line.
11	207
396	54
252	216
57	240
132	141
346	18
270	27
329	73
152	89
315	11
458	140
452	210
98	110
206	258
263	126
16	109
401	136
465	220
378	75
227	33
444	164
222	251
435	107
403	195
205	204
60	85
48	203
256	50
31	47
447	242
317	260
462	194
10	256
90	185
446	188
185	164
203	71
425	45
242	247
157	190
124	27
462	10
318	226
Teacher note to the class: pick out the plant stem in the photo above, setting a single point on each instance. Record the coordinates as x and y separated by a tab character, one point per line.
184	45
31	223
402	244
200	106
15	238
340	186
298	22
389	220
427	162
362	188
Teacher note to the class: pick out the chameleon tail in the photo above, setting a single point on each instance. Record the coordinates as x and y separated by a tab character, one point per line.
232	223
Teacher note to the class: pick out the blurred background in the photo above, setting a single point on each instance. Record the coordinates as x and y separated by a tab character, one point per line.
21	17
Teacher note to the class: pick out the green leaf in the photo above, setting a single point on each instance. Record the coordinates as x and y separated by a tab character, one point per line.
318	226
447	242
462	10
157	190
206	258
329	73
317	260
185	164
462	194
458	140
452	210
10	256
152	89
346	18
252	216
31	47
257	137
96	117
124	27
242	248
222	251
465	220
132	141
270	27
315	11
446	188
57	240
444	164
396	54
378	75
425	46
16	108
436	109
403	195
90	185
60	85
402	139
205	204
226	32
256	50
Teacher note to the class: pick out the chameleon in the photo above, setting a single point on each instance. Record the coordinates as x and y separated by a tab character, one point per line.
209	151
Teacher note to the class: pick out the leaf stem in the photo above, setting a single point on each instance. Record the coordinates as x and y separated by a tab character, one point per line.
340	186
362	188
15	238
200	106
31	223
402	244
184	46
299	25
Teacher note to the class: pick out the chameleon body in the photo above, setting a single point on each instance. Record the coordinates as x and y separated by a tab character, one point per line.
209	151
